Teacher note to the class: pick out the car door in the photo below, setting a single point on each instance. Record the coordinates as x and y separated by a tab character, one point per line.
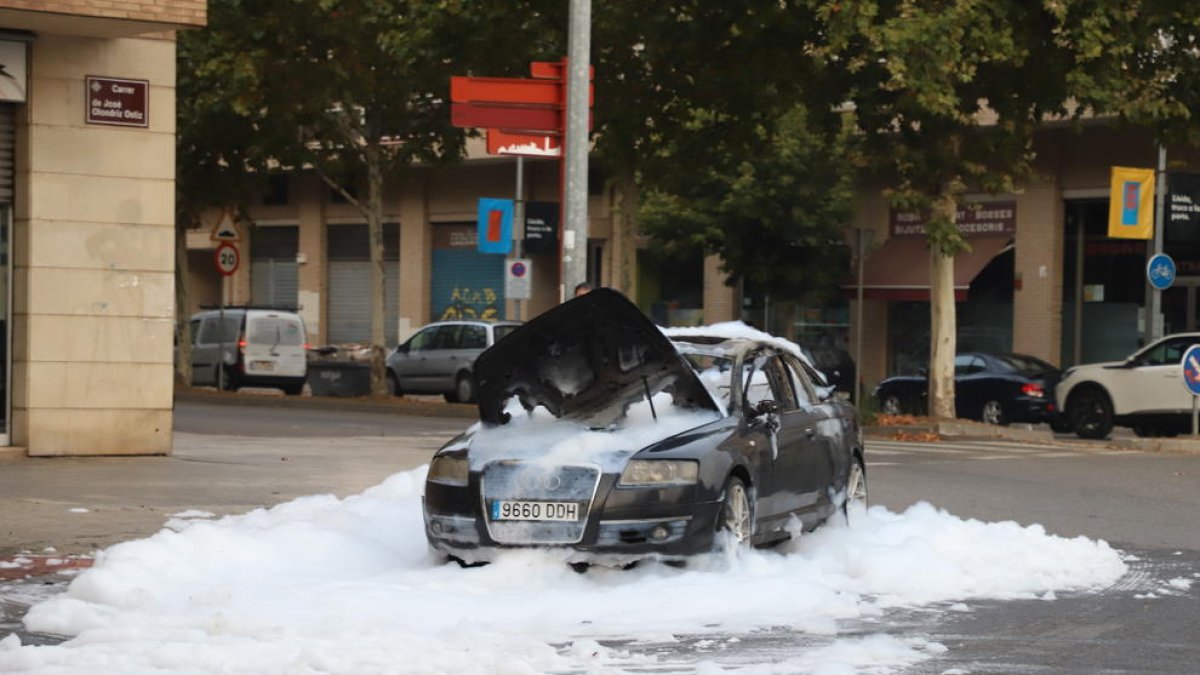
790	435
204	354
806	468
442	361
410	361
970	385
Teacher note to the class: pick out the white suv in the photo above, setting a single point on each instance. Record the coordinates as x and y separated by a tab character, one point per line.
1144	392
262	348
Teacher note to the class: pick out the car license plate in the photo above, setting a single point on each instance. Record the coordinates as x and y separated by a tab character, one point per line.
266	366
514	510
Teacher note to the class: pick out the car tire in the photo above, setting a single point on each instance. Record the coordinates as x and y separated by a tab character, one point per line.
393	384
1090	412
1060	425
1144	430
993	413
891	405
856	489
293	389
737	512
464	388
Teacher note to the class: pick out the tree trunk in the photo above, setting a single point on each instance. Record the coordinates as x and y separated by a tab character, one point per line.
378	296
183	328
943	342
624	241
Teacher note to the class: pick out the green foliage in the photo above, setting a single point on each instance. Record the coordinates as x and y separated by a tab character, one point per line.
773	209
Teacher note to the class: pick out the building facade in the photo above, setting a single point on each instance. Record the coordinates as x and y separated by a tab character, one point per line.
87	222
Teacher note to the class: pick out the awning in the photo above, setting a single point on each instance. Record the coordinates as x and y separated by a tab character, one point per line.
899	270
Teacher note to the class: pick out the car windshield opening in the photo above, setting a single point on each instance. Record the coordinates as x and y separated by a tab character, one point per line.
275	331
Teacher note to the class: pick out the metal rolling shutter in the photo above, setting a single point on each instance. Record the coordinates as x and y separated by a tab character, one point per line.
467	285
274	274
7	144
350	284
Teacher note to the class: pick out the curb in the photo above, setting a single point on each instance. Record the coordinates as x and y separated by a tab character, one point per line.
967	430
398	405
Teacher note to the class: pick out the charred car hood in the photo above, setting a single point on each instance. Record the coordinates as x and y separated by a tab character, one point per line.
586	360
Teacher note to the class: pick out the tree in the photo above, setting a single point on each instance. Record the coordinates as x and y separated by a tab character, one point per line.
946	95
773	209
354	90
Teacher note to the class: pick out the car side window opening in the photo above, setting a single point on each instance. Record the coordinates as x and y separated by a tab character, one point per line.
805	396
194	328
967	364
422	340
448	337
209	335
1167	353
763	380
474	337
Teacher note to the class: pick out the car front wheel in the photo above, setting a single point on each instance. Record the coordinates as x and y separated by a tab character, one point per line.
1091	413
737	511
856	490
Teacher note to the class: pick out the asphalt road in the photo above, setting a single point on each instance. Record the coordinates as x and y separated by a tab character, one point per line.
1142	503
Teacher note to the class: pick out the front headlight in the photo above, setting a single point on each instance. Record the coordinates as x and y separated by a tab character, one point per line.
647	472
449	470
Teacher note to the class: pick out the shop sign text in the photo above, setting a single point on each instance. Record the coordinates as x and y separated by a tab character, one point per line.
973	220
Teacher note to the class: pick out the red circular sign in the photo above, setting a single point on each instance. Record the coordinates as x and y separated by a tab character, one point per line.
227	258
518	269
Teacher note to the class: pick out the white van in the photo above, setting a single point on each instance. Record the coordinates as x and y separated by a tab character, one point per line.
262	347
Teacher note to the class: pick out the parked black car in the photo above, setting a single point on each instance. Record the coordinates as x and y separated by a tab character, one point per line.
993	388
602	438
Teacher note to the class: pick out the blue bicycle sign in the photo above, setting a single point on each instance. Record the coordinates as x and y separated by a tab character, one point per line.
1160	271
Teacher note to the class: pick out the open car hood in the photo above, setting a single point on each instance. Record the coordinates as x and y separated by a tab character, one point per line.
586	360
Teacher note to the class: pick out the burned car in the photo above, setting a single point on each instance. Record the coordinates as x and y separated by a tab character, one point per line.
602	436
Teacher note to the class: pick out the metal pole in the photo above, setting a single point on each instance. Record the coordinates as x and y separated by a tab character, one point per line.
858	317
1154	306
575	155
1080	236
1195	415
221	337
519	220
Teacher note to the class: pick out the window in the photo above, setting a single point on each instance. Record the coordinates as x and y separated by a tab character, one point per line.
448	337
194	330
474	337
800	384
968	364
272	330
1168	353
501	331
764	380
208	332
423	340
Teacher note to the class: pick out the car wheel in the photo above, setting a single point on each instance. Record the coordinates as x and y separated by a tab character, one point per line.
1060	425
293	389
737	511
393	385
464	388
891	405
856	490
1144	430
1090	413
993	413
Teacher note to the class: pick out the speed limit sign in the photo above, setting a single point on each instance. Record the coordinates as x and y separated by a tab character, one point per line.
228	258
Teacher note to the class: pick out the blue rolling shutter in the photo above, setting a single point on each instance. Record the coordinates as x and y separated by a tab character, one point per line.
467	285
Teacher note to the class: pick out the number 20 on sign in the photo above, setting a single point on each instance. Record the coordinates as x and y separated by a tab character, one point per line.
227	258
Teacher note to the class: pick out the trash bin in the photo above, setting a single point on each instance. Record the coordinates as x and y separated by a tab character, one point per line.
339	378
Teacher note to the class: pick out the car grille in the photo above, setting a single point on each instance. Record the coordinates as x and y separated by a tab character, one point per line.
518	481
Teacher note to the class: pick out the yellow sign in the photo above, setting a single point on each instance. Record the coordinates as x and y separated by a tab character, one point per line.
1131	203
226	229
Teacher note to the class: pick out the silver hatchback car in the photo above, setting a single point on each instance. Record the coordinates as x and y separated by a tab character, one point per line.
438	358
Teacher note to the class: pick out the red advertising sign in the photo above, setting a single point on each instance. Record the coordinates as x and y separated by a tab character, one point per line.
527	145
117	101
